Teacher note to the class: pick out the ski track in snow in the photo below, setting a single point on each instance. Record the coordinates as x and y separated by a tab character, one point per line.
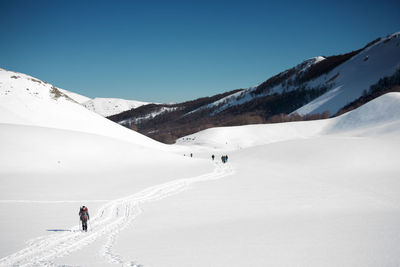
110	220
5	201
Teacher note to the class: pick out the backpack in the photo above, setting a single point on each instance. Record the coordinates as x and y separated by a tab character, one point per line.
84	213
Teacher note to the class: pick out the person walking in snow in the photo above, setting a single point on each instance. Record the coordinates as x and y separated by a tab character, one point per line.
84	217
213	157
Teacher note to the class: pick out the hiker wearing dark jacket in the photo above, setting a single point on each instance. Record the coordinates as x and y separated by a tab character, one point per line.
84	216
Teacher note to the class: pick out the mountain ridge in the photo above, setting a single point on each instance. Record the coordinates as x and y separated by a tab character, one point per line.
26	100
111	106
316	88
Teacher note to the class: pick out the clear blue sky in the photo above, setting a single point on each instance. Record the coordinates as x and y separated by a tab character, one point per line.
170	51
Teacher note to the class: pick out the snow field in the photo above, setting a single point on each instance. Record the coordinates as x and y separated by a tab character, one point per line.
110	219
320	193
326	201
323	196
44	168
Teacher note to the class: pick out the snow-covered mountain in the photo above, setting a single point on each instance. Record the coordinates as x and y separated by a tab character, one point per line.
251	93
111	106
381	115
340	85
316	88
26	100
355	76
104	106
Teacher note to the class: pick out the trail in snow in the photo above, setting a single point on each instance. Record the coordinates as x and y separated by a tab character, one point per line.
5	201
110	219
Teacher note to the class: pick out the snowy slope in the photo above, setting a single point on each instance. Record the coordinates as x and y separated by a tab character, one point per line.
318	85
320	193
356	75
77	97
317	196
47	173
381	112
29	101
111	106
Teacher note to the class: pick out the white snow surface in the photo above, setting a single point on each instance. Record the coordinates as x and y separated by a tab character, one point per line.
316	193
111	106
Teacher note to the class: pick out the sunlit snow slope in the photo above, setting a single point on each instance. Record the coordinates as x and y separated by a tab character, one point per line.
28	101
321	193
381	114
356	75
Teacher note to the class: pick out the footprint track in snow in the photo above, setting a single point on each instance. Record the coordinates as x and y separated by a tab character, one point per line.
110	220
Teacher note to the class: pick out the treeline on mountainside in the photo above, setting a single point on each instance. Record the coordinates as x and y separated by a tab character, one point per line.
181	121
171	125
383	86
177	120
270	105
314	71
181	108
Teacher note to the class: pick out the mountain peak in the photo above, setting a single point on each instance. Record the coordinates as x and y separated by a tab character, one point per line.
111	106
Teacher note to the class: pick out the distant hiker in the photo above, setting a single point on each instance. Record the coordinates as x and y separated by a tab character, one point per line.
223	159
212	157
226	158
84	216
191	155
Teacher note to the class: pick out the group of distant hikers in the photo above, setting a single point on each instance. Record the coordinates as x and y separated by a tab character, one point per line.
224	159
84	212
